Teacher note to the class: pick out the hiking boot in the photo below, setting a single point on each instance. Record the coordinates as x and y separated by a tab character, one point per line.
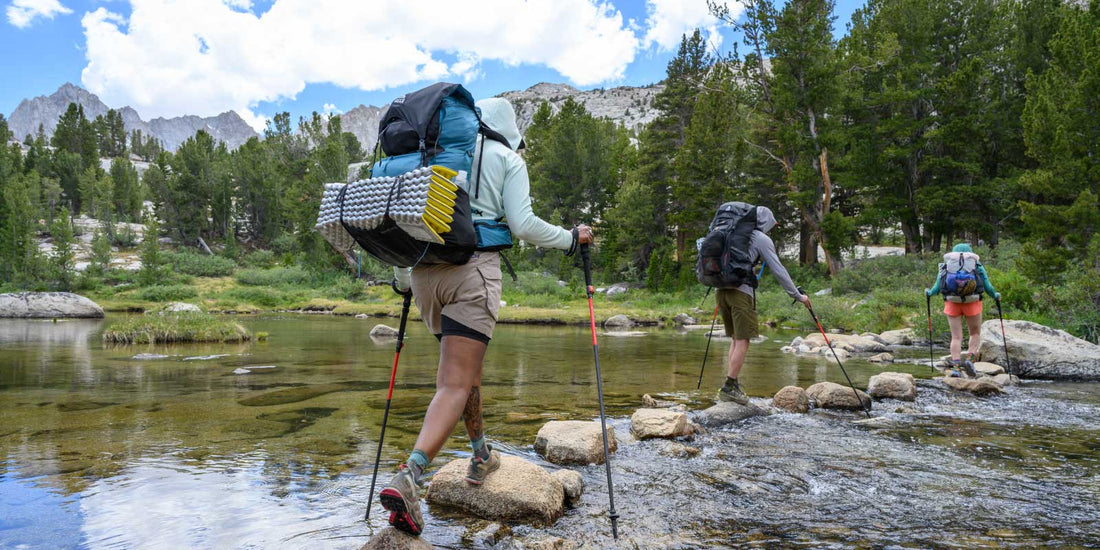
480	469
401	497
968	367
733	394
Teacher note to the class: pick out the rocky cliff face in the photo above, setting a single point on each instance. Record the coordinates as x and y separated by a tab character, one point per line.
172	132
629	106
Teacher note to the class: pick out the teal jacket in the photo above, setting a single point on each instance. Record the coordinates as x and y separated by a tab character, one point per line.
982	276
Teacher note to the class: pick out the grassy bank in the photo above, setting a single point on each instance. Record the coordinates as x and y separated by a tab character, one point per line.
190	327
869	295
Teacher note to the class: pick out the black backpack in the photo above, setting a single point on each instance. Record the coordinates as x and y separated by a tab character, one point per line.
724	260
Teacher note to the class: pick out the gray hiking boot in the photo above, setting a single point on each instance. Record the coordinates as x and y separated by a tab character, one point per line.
480	469
402	498
968	367
734	394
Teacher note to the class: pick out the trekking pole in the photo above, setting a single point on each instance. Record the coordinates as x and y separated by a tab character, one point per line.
407	295
1004	340
707	350
710	334
599	390
709	288
931	360
866	409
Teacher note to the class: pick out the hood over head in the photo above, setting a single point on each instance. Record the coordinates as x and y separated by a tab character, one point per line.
765	220
962	247
498	115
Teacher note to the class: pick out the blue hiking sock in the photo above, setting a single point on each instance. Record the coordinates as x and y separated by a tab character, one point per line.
417	463
480	449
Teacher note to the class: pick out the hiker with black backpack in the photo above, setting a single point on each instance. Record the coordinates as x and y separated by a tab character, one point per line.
962	280
460	303
736	240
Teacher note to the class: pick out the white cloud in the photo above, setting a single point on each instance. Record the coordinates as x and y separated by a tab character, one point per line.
331	109
22	13
154	63
669	20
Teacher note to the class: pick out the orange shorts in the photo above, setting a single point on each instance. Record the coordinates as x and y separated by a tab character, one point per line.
955	309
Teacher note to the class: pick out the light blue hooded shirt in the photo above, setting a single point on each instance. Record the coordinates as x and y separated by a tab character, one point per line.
504	189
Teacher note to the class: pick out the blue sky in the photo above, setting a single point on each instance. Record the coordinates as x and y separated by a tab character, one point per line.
173	57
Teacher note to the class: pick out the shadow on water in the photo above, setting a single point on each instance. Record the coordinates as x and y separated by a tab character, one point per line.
271	445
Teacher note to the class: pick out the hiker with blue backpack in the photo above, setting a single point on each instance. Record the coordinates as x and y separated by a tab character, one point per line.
962	280
460	303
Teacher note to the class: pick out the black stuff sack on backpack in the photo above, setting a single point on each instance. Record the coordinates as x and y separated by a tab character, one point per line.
724	260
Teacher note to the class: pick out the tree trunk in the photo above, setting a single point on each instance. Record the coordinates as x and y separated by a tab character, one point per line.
807	251
911	231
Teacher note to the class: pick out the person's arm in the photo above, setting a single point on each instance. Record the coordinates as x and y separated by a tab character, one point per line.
766	248
939	277
522	220
986	283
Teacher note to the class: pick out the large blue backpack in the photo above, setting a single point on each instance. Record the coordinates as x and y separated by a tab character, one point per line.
434	126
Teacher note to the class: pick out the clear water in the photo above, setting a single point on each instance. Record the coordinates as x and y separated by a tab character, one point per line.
99	449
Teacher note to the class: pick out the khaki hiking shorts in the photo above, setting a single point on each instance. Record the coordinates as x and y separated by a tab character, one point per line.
460	300
738	314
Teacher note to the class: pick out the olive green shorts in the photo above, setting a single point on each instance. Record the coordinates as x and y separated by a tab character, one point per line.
738	314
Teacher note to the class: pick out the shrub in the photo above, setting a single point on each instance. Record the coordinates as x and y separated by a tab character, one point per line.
259	258
165	293
155	329
200	265
260	296
284	276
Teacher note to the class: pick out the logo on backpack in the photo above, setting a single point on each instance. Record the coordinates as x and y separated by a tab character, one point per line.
724	260
960	277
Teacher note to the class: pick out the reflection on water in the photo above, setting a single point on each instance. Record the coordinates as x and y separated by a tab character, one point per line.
198	446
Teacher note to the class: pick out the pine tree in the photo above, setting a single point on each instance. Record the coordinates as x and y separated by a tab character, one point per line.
61	261
150	252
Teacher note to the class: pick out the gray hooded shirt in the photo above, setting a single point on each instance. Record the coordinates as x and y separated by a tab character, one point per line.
762	247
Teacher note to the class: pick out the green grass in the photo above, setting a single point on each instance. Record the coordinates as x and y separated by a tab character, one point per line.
157	329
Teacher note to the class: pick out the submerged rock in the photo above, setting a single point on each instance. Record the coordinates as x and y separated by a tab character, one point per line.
518	491
879	422
727	413
980	388
676	449
383	331
682	319
492	535
392	539
892	385
573	442
48	305
618	321
1036	351
830	395
625	333
792	399
659	423
572	483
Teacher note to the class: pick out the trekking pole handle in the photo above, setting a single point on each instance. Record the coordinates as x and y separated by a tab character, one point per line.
399	292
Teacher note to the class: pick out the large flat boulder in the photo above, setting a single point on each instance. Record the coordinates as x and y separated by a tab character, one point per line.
900	337
519	491
727	412
848	342
658	423
988	369
978	387
48	305
830	395
792	399
1036	351
573	442
892	385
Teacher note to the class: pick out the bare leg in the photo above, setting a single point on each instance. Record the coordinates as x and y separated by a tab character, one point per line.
956	324
738	349
459	370
471	415
974	325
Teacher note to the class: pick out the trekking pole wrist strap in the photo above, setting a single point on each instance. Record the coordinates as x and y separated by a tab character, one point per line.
573	247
